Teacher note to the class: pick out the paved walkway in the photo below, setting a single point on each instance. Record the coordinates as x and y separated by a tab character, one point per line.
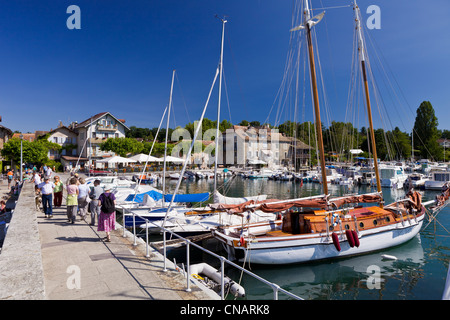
79	265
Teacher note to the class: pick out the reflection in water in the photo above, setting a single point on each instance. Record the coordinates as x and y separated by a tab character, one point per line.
418	273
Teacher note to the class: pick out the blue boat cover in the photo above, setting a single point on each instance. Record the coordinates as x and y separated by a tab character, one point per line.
194	197
140	196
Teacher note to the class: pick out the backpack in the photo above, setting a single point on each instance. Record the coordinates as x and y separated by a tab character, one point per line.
108	204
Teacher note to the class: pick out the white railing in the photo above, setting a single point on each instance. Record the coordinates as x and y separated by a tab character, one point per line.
276	288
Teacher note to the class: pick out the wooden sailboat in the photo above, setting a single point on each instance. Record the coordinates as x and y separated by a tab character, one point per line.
318	228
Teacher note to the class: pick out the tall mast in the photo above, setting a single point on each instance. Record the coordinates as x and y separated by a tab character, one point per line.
218	106
309	22
167	135
362	57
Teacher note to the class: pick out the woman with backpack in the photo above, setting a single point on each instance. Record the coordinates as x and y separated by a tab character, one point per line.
107	218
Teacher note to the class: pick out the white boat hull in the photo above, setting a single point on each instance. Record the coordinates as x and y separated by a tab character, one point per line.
300	249
434	185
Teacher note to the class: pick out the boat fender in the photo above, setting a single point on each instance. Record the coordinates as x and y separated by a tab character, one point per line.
241	241
350	239
355	238
334	236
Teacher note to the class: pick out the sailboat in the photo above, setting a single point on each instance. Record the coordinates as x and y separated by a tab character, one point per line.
153	204
319	227
201	220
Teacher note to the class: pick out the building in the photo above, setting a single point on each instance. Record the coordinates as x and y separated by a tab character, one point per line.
66	138
444	143
247	145
25	136
5	135
94	131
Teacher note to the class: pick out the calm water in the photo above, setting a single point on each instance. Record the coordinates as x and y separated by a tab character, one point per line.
418	274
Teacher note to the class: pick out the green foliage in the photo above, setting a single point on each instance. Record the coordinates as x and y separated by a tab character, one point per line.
207	124
158	149
144	133
426	133
33	151
122	146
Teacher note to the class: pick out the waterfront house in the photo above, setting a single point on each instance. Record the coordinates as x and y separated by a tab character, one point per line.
247	145
94	131
67	139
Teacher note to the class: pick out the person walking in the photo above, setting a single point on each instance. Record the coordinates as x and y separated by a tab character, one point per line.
58	192
10	178
46	188
72	199
107	219
83	198
37	179
94	204
48	173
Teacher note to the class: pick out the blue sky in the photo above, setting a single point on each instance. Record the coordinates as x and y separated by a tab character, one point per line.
122	59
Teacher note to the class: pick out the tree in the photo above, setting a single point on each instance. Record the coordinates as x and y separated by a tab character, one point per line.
144	133
35	152
426	132
122	146
206	125
402	144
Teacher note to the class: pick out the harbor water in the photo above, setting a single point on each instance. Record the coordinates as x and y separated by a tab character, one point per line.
418	272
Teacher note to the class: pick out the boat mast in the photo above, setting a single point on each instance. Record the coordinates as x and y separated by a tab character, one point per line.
167	135
307	25
218	106
362	57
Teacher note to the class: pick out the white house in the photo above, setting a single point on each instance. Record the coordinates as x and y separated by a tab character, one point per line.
66	138
94	131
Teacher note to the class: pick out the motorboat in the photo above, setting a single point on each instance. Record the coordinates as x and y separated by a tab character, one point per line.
438	180
393	177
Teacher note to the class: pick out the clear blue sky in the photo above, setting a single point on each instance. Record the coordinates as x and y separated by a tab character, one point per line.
122	59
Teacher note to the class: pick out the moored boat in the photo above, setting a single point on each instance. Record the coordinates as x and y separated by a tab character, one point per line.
317	234
319	228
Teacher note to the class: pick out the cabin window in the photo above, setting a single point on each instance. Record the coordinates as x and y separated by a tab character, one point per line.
375	222
347	227
361	225
388	219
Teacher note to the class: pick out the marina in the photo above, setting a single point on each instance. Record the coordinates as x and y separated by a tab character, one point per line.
310	209
416	260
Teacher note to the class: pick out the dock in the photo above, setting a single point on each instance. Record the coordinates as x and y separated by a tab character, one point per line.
51	259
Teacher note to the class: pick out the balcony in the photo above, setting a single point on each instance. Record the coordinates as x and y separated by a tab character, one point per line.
97	140
109	127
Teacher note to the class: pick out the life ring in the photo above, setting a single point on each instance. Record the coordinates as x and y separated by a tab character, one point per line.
334	236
